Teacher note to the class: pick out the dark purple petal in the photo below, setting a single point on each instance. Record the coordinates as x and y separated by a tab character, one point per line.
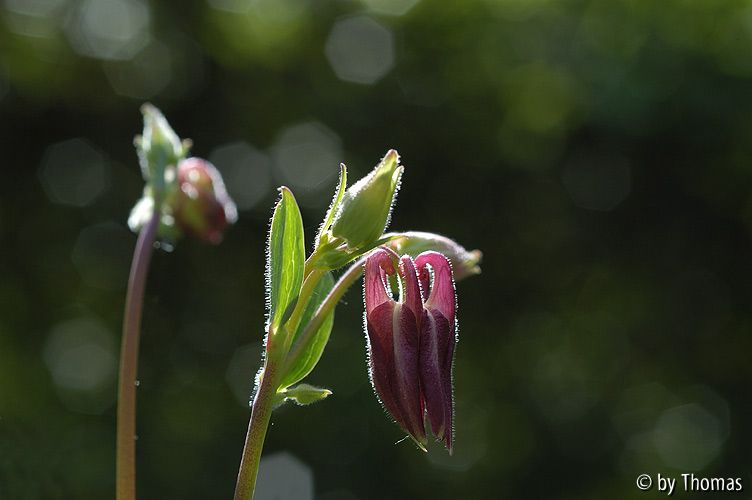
381	358
378	264
393	346
407	372
440	294
411	295
437	341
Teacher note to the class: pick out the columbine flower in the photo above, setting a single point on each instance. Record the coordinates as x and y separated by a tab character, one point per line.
202	206
411	341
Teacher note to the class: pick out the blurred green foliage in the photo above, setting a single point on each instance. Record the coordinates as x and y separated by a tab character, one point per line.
598	152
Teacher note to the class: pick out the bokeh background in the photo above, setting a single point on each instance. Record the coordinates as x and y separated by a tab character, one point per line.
599	153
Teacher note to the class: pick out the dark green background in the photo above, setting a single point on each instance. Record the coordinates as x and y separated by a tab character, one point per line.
598	152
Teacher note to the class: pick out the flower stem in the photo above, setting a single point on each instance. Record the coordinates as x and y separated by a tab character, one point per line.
126	411
312	279
329	303
261	412
263	401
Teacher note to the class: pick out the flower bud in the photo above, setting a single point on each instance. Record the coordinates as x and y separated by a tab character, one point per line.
464	263
202	206
363	213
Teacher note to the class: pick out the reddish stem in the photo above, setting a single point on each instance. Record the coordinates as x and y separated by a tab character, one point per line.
126	411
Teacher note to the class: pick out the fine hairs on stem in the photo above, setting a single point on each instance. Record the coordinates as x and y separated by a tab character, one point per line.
263	401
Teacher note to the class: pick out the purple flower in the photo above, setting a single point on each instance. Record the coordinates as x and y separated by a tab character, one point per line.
411	341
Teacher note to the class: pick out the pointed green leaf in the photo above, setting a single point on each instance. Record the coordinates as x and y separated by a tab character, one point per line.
310	353
335	202
305	394
286	258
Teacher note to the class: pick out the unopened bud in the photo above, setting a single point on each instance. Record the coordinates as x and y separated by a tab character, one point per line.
202	207
159	147
364	211
464	262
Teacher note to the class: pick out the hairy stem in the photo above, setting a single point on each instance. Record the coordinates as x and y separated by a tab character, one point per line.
329	303
126	411
261	412
312	279
263	401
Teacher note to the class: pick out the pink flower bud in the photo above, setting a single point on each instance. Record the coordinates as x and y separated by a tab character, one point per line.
202	207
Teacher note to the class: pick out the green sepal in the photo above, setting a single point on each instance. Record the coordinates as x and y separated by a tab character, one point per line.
159	151
159	148
335	203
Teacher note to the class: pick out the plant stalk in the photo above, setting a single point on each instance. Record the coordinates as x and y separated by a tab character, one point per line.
263	401
261	412
312	279
126	411
329	303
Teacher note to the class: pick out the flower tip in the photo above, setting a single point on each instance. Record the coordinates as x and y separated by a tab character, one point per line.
473	262
286	191
392	155
148	108
420	441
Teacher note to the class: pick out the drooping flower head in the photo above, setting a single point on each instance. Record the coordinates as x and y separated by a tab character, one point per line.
411	341
188	194
202	206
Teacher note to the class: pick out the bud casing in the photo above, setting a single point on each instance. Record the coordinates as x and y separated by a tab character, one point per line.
364	210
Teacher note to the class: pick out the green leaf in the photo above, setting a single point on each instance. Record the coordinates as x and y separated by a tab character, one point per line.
310	353
286	259
335	202
305	394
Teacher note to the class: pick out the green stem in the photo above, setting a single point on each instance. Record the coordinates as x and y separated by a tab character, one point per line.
261	412
263	401
126	411
329	303
312	279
